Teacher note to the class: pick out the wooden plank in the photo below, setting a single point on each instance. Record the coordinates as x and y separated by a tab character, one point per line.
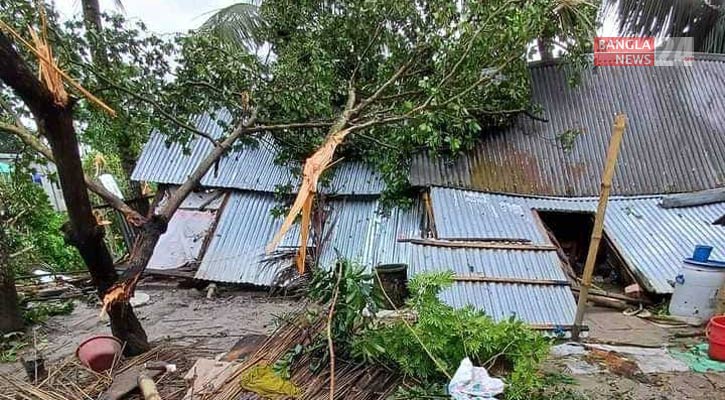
429	213
523	281
126	382
617	296
620	121
480	244
693	199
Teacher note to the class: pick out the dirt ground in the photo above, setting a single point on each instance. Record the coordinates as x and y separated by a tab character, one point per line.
183	315
612	327
186	316
681	385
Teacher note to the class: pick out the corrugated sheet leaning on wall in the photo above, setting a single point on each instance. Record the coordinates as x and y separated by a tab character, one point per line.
361	231
652	240
674	141
250	167
236	250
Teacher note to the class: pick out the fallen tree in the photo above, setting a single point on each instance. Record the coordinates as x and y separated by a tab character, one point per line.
393	77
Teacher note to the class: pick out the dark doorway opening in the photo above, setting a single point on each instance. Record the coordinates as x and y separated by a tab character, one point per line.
571	232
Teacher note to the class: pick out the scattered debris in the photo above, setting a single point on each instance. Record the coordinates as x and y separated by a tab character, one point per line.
697	359
148	387
470	383
264	381
352	381
206	376
69	380
634	291
139	299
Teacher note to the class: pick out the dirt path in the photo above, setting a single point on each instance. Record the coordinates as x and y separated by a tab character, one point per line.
183	315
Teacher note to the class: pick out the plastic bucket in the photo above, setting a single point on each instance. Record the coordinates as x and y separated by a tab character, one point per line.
99	352
702	252
715	332
391	280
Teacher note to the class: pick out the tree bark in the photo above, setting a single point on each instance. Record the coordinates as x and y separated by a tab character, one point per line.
546	48
84	233
94	28
10	318
55	122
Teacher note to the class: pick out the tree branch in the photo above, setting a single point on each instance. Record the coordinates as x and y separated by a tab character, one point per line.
16	74
384	86
175	200
32	141
292	125
151	102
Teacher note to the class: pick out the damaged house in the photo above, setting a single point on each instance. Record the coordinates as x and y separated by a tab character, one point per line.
512	218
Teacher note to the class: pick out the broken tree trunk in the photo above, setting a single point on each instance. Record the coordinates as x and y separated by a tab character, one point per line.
612	152
54	118
315	165
155	226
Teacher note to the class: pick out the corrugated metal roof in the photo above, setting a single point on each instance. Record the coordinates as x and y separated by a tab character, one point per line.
246	167
237	249
464	215
363	232
545	305
651	239
654	240
543	265
674	141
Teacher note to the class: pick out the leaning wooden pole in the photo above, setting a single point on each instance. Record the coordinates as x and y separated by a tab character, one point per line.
612	152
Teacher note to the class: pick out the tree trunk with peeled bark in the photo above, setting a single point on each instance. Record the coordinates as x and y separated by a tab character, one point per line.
55	122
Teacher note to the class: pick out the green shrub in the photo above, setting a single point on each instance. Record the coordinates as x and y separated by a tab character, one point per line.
507	348
33	228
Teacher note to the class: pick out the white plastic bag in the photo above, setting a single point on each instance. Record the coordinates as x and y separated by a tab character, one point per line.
473	383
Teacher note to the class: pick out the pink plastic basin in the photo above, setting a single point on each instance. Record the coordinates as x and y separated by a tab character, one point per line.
99	352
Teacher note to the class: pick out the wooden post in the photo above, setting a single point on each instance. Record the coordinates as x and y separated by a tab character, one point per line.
612	152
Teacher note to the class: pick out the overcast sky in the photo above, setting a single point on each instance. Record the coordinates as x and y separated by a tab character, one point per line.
160	16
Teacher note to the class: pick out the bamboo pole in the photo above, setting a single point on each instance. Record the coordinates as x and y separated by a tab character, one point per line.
620	121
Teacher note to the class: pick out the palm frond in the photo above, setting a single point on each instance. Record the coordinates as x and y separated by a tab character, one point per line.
119	6
667	18
715	41
237	25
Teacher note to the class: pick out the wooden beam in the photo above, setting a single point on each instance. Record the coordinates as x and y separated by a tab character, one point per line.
617	296
521	281
620	121
480	244
700	198
429	213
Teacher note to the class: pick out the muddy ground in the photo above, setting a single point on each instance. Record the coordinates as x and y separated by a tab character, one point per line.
186	316
181	315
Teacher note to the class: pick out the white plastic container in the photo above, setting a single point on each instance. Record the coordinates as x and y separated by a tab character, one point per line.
696	288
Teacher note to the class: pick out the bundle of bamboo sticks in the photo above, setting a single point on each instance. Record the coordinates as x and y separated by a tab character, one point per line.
353	381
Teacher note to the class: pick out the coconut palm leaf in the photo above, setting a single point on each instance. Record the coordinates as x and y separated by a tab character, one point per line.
700	19
237	25
119	6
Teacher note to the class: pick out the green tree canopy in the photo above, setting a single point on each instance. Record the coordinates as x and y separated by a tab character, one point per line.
427	75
